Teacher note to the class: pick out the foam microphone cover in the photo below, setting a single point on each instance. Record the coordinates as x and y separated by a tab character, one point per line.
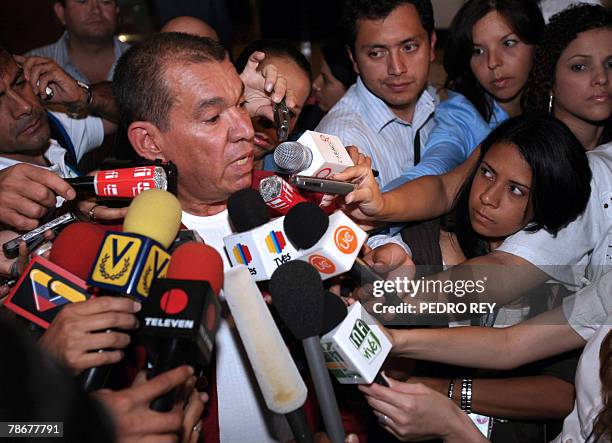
197	261
247	210
155	214
297	294
305	224
334	311
84	237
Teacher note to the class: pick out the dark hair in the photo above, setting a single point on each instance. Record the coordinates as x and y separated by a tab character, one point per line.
523	16
274	48
139	84
5	59
36	388
562	29
339	63
561	176
355	10
602	427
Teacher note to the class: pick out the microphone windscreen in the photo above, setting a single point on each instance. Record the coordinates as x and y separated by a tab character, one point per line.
247	210
334	311
305	224
85	238
155	214
297	295
292	156
197	261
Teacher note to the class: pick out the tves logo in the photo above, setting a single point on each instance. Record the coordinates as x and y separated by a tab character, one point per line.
275	241
365	340
242	254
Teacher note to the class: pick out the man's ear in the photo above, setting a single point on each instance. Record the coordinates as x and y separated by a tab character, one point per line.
349	51
432	45
147	140
59	12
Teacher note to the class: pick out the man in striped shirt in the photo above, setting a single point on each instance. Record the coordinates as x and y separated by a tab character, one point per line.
88	49
387	113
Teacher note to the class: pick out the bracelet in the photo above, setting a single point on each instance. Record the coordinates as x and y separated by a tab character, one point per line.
451	387
466	395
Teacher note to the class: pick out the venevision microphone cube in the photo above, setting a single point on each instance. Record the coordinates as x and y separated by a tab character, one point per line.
328	154
128	263
356	349
335	252
261	250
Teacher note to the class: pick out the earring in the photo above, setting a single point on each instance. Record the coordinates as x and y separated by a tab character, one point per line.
550	104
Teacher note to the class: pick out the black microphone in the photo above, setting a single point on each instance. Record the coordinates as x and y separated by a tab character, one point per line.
293	286
181	316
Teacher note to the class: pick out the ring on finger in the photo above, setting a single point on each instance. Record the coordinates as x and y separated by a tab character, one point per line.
197	428
383	419
91	213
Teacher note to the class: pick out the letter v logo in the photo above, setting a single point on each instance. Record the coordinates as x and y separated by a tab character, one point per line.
118	255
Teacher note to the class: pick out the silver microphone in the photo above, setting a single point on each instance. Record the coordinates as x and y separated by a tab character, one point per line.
293	157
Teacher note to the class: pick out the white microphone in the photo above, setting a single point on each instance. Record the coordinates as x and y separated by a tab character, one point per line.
330	244
314	154
260	243
356	349
280	382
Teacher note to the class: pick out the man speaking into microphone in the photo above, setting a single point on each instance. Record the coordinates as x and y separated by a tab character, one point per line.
181	100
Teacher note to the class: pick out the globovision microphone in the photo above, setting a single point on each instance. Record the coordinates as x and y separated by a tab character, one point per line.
313	154
43	290
260	243
278	378
46	286
297	294
329	243
356	348
128	261
121	183
181	317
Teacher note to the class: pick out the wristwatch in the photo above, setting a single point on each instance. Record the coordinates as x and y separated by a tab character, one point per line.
77	110
89	95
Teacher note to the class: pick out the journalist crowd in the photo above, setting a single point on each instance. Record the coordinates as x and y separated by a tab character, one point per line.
404	235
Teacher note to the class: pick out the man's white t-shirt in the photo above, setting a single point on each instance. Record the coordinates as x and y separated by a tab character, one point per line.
243	415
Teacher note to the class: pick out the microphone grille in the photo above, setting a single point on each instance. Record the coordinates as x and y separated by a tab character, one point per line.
270	187
292	156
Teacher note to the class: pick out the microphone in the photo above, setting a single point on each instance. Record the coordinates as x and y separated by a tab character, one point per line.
34	237
279	195
356	349
88	236
260	243
295	286
329	243
129	261
280	383
181	317
42	291
314	154
122	183
47	285
334	311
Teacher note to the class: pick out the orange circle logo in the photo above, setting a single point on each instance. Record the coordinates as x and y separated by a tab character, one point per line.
345	239
322	264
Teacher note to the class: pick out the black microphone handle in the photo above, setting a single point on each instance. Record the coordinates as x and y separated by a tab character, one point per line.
93	379
82	184
170	355
324	389
299	426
